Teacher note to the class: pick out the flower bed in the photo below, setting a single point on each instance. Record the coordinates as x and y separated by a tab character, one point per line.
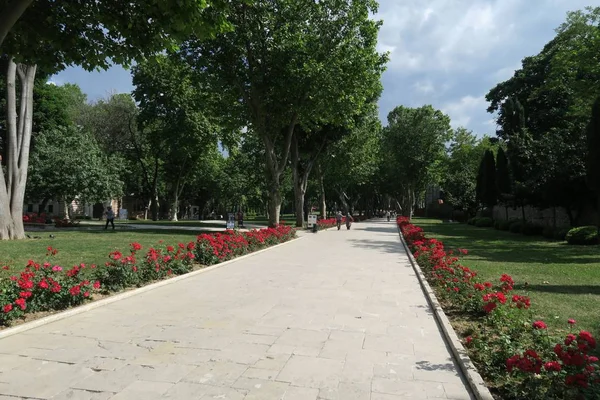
42	287
214	248
516	354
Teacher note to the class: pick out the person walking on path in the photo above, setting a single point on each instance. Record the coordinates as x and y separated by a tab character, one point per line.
338	219
388	215
349	220
110	217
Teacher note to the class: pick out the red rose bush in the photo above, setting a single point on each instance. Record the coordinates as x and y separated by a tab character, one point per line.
215	248
511	349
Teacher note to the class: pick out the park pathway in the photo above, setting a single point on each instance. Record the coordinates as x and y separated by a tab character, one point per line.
337	315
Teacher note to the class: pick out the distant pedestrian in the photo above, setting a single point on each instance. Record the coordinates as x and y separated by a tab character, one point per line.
240	219
110	217
338	219
349	220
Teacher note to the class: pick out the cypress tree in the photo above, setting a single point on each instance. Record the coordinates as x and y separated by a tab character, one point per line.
503	183
593	157
489	193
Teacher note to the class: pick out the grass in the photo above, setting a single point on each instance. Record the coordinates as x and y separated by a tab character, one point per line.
85	246
563	281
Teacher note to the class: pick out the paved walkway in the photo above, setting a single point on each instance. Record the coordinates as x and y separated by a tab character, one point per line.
335	315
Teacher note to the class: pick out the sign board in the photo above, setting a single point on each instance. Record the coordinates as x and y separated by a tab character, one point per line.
230	221
123	214
312	220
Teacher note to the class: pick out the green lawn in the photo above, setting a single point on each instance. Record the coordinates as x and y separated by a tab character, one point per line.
87	246
563	281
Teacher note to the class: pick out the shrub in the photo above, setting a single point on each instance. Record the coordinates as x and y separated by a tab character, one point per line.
584	235
532	229
484	222
548	232
504	225
513	350
561	234
516	226
212	249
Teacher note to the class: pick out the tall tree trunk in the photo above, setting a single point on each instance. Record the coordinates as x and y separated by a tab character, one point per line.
322	198
274	208
175	206
10	14
66	213
154	206
18	139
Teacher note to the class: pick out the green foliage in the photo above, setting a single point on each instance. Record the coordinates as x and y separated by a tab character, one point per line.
460	169
486	180
94	34
583	235
532	229
414	150
484	222
503	180
516	226
504	225
68	163
554	90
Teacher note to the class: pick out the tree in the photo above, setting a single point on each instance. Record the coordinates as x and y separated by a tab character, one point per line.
488	194
461	170
181	129
503	179
349	165
307	146
593	155
414	148
91	34
556	88
292	63
67	163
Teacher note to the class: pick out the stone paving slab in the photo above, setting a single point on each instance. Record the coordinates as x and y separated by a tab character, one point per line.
338	315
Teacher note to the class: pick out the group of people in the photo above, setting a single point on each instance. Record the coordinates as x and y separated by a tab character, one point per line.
339	217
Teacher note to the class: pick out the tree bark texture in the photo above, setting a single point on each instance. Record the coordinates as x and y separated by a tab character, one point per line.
14	178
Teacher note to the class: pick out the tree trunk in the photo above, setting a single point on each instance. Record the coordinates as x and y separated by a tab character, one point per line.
66	214
10	14
18	139
274	204
322	202
523	212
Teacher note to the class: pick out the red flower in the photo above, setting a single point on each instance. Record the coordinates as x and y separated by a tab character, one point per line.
552	366
170	249
25	295
571	321
468	340
43	284
97	285
6	267
7	308
540	325
75	290
135	246
21	303
86	294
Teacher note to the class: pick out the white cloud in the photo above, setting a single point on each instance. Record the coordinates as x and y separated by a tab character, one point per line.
462	110
424	87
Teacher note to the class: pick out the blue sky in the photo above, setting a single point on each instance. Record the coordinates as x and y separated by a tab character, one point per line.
447	53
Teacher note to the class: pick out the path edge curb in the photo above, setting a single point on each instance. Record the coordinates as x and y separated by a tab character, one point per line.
130	293
474	380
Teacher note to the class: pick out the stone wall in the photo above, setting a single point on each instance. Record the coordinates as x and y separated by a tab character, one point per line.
544	217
